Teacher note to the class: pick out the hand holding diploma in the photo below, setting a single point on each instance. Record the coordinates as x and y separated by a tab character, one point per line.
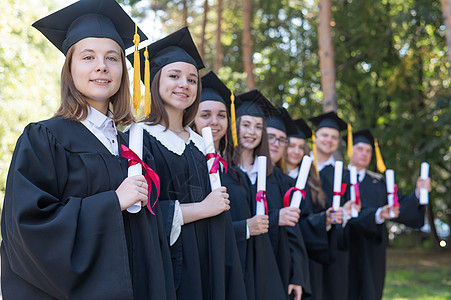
355	193
299	193
339	188
213	159
392	189
135	143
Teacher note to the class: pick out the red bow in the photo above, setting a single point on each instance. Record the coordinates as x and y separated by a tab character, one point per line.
215	165
286	197
343	189
395	197
356	192
261	195
149	174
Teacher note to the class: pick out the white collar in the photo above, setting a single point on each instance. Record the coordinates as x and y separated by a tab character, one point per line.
361	174
99	120
294	173
320	166
252	174
171	141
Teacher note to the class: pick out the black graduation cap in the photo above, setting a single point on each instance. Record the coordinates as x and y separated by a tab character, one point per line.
88	18
254	104
176	47
330	120
303	130
280	119
362	136
213	89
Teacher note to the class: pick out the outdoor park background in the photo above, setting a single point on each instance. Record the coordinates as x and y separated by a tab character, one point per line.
392	76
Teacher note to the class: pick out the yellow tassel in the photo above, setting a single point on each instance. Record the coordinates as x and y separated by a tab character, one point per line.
136	73
147	107
233	120
379	161
315	162
350	141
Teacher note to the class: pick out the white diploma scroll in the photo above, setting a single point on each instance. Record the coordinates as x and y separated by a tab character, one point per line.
424	174
353	173
261	182
301	181
390	178
135	143
338	173
215	180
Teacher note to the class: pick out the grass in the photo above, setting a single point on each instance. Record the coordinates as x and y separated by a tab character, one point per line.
418	274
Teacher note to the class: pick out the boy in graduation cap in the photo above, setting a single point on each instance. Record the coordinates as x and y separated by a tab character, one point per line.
199	230
368	234
325	143
66	234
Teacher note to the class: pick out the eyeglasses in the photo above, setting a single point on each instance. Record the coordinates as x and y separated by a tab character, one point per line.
282	141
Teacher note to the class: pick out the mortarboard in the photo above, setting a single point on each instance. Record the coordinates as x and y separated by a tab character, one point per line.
254	104
361	136
303	130
88	18
213	89
280	119
330	120
176	47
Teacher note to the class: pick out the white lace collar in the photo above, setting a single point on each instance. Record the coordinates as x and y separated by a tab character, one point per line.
173	142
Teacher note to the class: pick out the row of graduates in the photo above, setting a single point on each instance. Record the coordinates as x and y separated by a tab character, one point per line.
65	226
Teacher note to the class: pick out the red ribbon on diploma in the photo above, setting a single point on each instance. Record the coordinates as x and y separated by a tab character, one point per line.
286	197
149	174
343	190
356	192
261	196
215	165
395	197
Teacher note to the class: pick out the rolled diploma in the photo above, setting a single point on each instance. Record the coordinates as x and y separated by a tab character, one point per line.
424	195
390	178
338	172
301	180
353	171
215	180
261	182
135	143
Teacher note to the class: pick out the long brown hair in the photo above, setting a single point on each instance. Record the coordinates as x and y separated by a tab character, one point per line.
75	107
158	114
233	154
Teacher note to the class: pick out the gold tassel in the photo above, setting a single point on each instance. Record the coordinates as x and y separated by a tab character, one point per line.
233	120
379	161
136	73
350	141
315	162
147	107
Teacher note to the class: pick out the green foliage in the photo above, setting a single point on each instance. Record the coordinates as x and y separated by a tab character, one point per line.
29	73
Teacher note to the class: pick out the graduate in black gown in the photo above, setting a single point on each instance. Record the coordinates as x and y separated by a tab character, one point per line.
368	233
205	259
278	126
66	233
335	274
313	220
252	107
258	263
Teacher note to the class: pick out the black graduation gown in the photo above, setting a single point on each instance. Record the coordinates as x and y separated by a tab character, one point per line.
368	240
259	265
64	235
287	242
205	259
335	274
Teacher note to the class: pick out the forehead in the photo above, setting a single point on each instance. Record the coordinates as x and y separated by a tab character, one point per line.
251	119
180	66
363	146
276	132
97	44
328	131
212	105
296	141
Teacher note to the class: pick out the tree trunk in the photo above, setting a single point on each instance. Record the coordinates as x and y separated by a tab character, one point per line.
219	56
248	45
327	57
446	8
185	12
204	25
